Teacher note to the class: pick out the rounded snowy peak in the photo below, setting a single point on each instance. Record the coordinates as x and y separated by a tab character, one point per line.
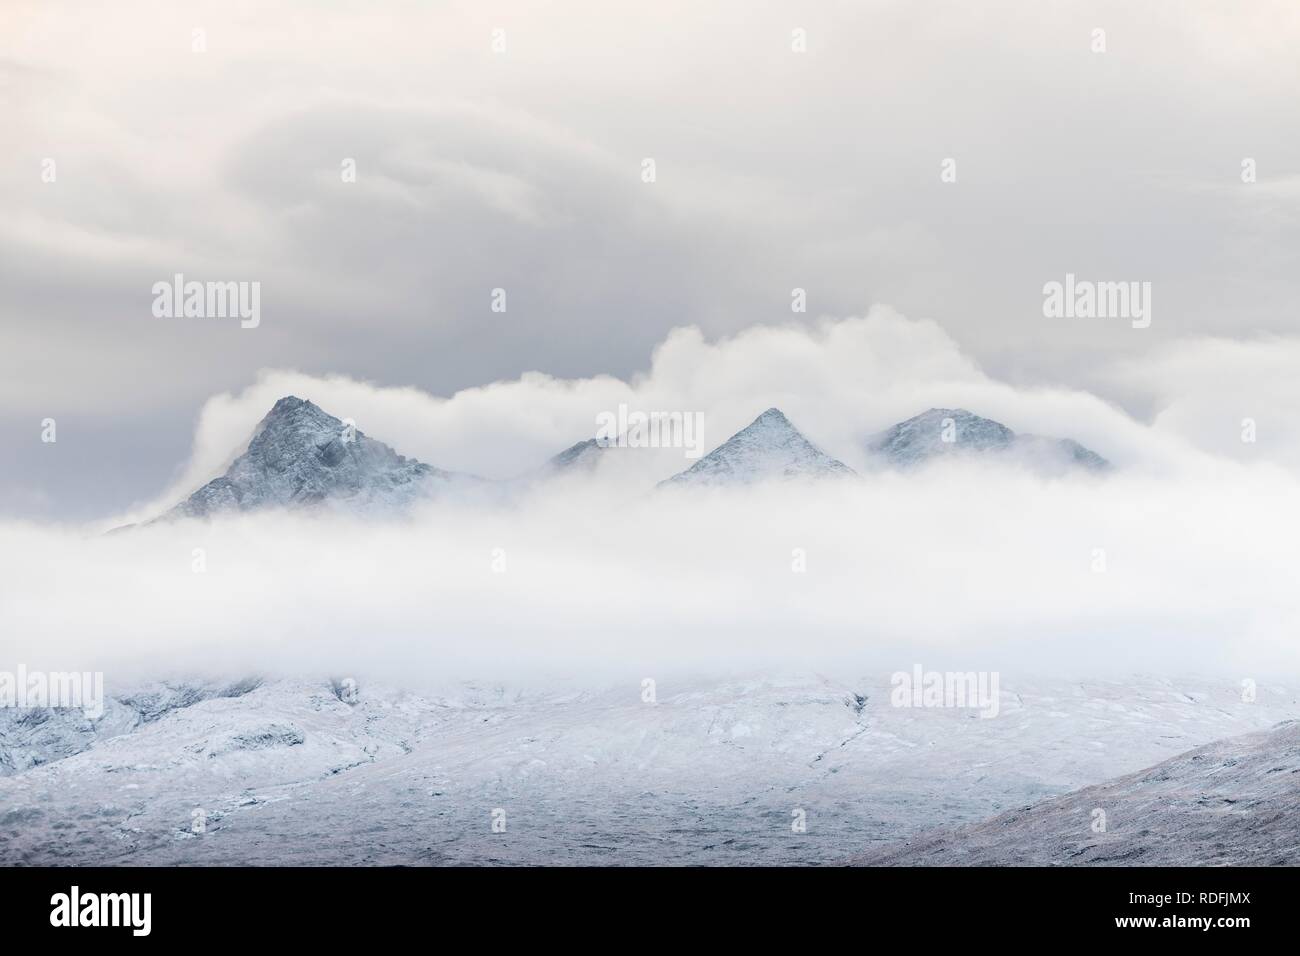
941	432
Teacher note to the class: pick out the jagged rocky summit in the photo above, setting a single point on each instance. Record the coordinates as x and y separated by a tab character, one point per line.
302	456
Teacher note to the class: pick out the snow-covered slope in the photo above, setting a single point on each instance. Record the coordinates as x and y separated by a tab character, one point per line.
297	771
302	456
769	447
1234	802
942	432
33	736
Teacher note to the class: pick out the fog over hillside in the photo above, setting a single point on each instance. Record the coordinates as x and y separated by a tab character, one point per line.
740	432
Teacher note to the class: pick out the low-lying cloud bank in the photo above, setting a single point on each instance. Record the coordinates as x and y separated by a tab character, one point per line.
1180	560
970	567
837	380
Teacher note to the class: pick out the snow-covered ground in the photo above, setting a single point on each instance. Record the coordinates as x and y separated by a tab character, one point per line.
1233	802
713	772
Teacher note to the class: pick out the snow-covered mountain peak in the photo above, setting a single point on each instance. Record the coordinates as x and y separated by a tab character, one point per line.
769	447
301	455
940	432
773	417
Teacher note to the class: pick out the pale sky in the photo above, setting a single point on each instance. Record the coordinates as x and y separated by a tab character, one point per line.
521	168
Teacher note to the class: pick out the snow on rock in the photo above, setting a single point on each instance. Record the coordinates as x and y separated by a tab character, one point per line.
300	456
945	432
33	736
769	447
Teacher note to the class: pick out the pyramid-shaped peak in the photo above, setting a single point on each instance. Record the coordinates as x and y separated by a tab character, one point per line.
768	447
299	455
773	423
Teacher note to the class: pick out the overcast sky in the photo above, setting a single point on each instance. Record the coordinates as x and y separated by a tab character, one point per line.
480	168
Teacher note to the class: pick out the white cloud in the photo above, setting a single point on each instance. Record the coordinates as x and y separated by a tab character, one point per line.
838	380
973	567
479	170
1205	389
978	566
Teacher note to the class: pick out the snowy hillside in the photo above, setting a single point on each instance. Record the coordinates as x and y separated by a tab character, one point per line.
1234	802
769	447
296	771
